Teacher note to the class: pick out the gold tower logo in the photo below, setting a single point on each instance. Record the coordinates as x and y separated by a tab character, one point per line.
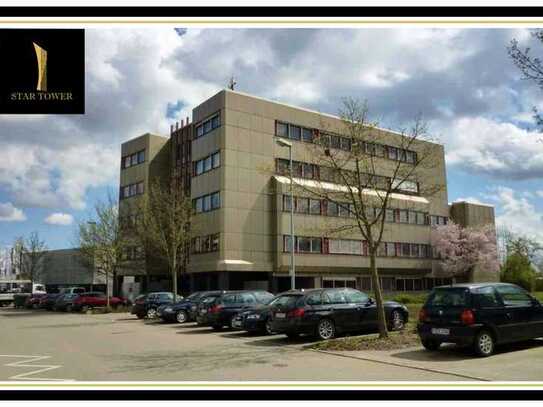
45	73
41	55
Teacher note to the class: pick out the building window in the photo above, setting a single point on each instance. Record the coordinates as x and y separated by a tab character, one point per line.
309	244
307	135
295	133
302	205
205	244
332	209
421	218
217	159
314	206
133	159
281	129
207	163
390	249
207	203
403	216
208	126
343	210
128	191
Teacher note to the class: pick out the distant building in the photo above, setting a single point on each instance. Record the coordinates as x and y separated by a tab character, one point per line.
237	176
67	268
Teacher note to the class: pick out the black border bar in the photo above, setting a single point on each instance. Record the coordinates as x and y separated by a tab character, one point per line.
315	394
267	11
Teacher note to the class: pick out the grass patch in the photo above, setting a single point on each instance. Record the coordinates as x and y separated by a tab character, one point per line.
396	340
538	295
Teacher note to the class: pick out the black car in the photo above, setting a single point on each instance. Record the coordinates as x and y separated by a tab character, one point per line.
325	312
258	320
184	310
147	306
229	305
65	302
480	315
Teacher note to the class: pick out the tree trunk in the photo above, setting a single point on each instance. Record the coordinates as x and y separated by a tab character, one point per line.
174	277
381	318
107	289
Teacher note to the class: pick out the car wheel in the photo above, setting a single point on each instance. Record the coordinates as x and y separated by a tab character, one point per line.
181	317
84	308
140	316
430	344
397	321
268	327
326	329
232	321
217	327
68	308
151	313
484	343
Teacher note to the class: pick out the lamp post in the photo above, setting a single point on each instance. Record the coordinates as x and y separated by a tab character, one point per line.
284	143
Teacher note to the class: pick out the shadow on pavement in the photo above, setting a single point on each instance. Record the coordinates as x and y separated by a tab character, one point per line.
452	353
278	341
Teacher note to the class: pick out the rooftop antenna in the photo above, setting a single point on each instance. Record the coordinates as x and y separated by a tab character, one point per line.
232	83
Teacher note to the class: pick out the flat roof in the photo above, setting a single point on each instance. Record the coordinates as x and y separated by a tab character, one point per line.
313	111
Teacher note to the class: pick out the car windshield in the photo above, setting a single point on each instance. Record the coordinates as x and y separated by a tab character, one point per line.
449	297
207	300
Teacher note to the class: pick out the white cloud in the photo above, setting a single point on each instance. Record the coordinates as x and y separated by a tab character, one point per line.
518	213
63	219
9	213
470	200
501	150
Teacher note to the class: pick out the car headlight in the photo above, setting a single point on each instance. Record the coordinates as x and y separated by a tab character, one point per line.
168	309
253	316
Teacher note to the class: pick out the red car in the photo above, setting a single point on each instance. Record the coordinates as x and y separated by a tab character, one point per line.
85	301
33	301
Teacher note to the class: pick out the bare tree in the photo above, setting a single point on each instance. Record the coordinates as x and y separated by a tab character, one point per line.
355	178
163	226
101	243
34	252
531	66
17	251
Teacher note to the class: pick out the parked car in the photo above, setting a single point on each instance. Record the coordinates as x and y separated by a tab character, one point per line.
327	312
258	320
88	300
184	310
137	306
203	307
48	301
479	315
33	301
229	305
147	306
65	302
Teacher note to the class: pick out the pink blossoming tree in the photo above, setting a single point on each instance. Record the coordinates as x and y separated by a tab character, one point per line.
462	249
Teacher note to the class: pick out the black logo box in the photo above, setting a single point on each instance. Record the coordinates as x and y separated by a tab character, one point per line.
65	92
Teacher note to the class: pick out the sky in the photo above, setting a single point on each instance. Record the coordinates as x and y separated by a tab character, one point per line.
53	168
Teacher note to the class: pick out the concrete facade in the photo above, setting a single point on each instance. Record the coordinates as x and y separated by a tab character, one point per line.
238	193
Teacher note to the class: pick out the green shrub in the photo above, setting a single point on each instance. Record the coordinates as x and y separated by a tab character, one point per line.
539	285
410	298
517	270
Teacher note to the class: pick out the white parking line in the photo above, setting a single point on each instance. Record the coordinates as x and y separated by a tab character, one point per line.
25	363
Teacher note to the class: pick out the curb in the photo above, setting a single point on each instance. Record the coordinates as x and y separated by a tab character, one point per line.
402	365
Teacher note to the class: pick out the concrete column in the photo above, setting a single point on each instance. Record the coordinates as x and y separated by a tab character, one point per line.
223	280
318	282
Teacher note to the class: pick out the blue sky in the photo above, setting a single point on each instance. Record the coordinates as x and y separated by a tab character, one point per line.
53	168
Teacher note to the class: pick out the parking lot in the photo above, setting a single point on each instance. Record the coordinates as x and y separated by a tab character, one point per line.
42	345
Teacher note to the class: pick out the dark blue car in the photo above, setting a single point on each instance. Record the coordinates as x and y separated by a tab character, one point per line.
184	310
148	305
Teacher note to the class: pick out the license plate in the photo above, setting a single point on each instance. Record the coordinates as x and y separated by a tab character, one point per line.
236	324
440	331
280	315
204	311
193	308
